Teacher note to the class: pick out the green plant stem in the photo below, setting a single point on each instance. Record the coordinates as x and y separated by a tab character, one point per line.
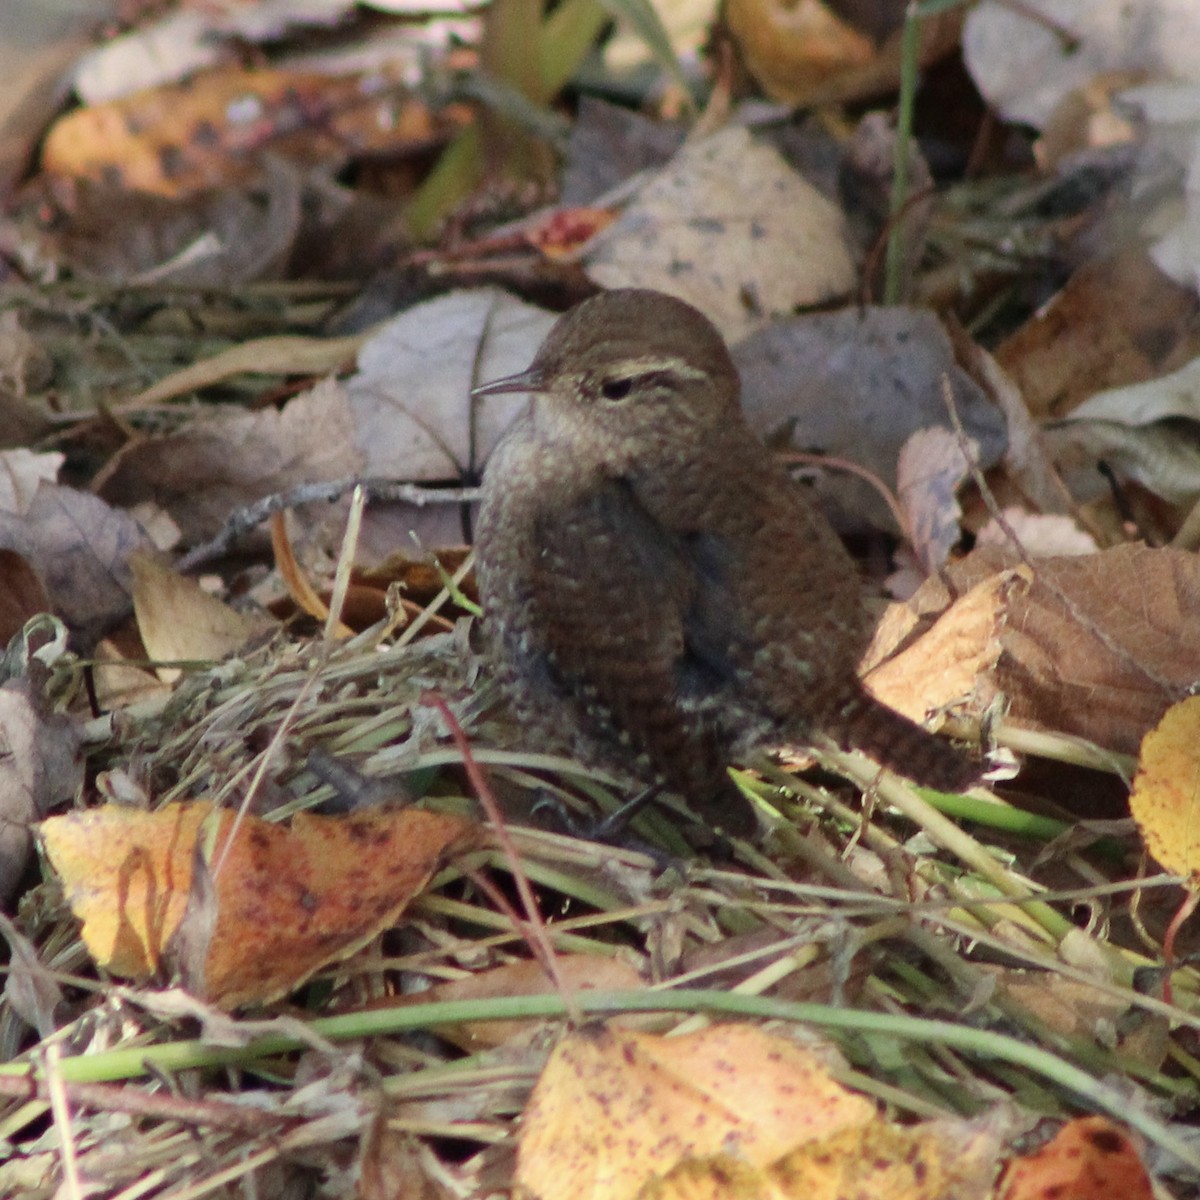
909	52
177	1056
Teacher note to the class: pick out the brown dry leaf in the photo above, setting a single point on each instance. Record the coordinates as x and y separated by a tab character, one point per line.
284	355
178	620
39	46
394	1165
1090	1158
31	988
38	769
78	546
1027	461
288	900
299	589
1165	800
1098	646
1118	321
947	664
802	54
227	459
613	1109
793	48
21	594
580	972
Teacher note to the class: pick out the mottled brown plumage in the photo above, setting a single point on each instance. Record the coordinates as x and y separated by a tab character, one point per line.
656	586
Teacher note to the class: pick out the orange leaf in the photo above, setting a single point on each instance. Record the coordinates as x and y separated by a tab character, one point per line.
1089	1159
288	899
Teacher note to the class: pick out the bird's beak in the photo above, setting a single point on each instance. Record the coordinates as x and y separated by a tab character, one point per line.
530	380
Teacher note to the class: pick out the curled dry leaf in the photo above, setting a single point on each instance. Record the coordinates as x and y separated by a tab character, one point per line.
1098	646
613	1109
1117	321
286	900
931	467
950	663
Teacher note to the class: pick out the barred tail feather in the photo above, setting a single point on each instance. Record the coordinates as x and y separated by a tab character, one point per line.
863	723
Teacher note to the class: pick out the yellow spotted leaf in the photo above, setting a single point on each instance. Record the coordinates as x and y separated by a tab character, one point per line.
1165	801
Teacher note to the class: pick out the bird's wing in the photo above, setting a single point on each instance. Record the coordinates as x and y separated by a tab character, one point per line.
615	598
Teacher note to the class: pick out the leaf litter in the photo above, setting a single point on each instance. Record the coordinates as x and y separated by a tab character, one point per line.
942	957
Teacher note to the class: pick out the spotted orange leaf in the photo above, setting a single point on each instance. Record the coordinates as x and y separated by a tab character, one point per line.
1089	1159
285	900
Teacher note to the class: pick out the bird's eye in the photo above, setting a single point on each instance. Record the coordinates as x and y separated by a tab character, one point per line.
616	389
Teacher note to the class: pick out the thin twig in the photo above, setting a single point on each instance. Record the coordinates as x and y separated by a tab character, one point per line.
539	940
244	519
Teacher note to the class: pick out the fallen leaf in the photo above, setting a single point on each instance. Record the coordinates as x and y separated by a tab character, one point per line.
175	139
22	472
857	384
950	662
931	467
410	398
938	1160
1090	1158
1117	321
1024	66
1098	645
802	54
1040	535
288	899
201	473
1165	799
22	595
613	1109
31	988
78	547
932	1161
728	226
39	768
178	620
792	48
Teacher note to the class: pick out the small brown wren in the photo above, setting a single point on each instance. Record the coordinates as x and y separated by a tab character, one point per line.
656	586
